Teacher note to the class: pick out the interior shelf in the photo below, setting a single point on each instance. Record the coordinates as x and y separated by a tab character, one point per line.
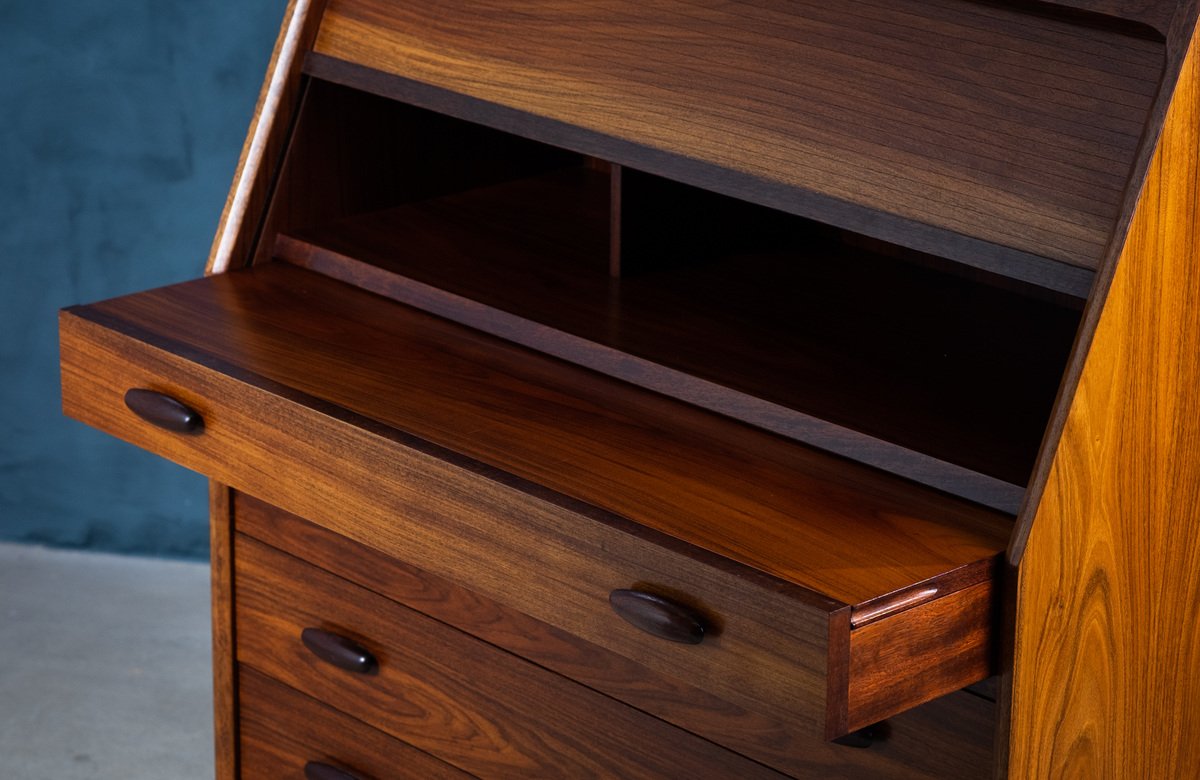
764	317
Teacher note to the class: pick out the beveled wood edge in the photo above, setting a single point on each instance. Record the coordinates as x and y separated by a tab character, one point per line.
1006	261
269	128
879	453
941	647
1183	31
1135	20
923	592
758	578
224	671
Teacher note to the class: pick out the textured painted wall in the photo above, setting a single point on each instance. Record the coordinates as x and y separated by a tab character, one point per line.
120	127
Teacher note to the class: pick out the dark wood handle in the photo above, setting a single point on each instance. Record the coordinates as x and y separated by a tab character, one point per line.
315	770
658	616
164	411
338	650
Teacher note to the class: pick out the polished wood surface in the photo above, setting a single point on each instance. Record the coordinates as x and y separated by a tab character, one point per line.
1179	35
959	725
472	705
220	549
1107	657
922	373
1156	15
457	519
1030	120
282	730
269	131
938	647
376	486
847	532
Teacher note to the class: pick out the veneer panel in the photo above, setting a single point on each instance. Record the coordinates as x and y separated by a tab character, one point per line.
487	712
910	80
282	730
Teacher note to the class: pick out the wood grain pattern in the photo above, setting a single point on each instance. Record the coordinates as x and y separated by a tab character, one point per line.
401	496
1107	656
225	691
409	500
920	653
967	252
842	530
476	707
920	373
962	751
282	729
1027	142
237	230
1179	37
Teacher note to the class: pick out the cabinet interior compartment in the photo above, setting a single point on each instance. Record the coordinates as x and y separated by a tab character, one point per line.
895	358
1002	134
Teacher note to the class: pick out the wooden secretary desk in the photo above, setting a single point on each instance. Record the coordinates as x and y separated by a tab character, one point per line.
696	388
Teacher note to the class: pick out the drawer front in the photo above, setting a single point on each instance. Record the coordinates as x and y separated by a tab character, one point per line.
951	737
280	731
470	704
768	648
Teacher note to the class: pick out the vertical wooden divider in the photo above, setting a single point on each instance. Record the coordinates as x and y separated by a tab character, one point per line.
225	732
614	221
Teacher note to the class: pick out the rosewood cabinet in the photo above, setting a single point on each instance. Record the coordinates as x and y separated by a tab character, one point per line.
681	388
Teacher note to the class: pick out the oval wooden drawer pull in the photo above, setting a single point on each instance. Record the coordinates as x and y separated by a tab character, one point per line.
658	616
164	411
338	650
315	770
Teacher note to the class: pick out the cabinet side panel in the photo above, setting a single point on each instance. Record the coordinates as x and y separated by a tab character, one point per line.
1107	656
266	138
224	675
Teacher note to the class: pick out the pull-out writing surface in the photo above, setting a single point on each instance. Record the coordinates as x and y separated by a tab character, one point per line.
513	474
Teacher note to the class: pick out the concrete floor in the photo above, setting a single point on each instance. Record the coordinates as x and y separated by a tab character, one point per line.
104	667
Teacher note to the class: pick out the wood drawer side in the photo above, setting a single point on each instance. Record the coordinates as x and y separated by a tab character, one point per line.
921	653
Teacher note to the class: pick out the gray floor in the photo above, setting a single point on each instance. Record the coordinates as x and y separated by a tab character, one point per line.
104	667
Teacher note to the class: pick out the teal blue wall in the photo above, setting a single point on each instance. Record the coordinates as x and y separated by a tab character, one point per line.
120	127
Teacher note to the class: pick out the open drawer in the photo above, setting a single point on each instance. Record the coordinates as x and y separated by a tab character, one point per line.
809	587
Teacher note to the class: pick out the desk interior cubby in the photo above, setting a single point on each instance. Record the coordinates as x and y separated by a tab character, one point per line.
903	360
